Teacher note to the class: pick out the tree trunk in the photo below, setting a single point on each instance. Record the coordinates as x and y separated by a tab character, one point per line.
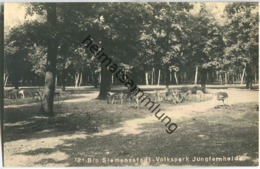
88	79
203	79
47	105
146	79
159	76
249	77
196	75
221	80
212	75
104	85
184	77
80	79
76	79
171	76
95	79
99	78
63	80
152	76
16	82
226	78
5	79
243	75
56	81
176	78
167	77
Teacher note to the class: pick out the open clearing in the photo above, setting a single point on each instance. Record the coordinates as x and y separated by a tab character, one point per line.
88	128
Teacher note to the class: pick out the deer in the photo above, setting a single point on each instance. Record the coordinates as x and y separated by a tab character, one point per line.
13	93
168	94
175	96
200	94
158	96
37	95
221	96
21	92
135	98
111	96
187	94
179	97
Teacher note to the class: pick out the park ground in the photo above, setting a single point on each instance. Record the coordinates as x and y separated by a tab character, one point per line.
85	128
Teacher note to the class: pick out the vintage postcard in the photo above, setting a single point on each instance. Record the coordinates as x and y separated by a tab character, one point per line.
130	84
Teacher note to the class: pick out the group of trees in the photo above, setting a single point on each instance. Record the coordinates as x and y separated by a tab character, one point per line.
156	43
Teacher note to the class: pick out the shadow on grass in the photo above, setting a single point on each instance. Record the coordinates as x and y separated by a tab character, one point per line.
217	142
26	123
210	134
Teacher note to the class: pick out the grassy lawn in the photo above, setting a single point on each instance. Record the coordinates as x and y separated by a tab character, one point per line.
96	130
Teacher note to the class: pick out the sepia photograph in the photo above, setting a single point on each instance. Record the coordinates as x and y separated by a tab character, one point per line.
130	84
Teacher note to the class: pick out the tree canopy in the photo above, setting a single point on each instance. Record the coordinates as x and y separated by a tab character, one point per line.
159	37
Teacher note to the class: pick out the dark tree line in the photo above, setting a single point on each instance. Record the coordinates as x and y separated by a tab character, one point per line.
157	43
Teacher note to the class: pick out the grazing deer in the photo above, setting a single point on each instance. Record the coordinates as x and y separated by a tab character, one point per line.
37	95
175	97
21	92
179	97
221	96
200	94
13	94
186	95
169	94
112	96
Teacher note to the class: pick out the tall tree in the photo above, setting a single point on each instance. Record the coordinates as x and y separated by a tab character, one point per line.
47	106
205	43
242	37
170	35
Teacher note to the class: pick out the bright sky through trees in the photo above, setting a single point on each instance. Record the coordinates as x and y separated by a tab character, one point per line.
15	12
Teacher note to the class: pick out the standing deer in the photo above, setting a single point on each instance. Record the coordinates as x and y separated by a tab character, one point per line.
112	96
158	96
200	94
136	99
